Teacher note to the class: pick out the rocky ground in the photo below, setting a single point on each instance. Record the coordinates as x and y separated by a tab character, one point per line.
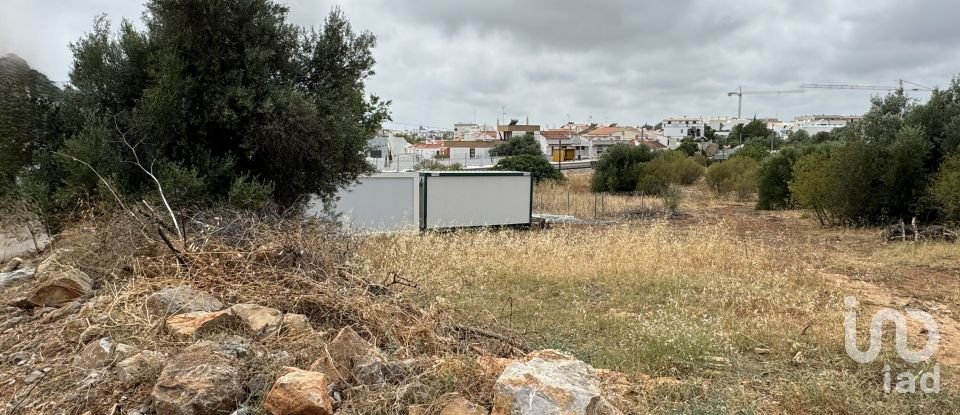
248	316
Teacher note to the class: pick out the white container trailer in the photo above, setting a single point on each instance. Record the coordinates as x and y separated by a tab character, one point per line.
462	199
379	202
387	202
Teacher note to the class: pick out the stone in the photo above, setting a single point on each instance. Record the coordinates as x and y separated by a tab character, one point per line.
348	350
33	377
295	324
100	353
91	333
299	392
63	287
12	277
326	366
180	300
136	368
198	381
259	319
19	358
200	322
492	366
11	265
374	370
549	383
462	406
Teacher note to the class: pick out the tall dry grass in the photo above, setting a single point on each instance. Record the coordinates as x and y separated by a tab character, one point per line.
574	198
745	324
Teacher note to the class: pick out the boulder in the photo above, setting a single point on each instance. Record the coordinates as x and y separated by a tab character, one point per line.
200	322
295	324
198	381
374	370
11	265
60	287
348	351
462	406
259	319
181	299
12	277
135	368
549	383
299	392
100	353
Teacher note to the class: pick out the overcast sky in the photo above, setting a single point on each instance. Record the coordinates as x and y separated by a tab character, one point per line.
445	61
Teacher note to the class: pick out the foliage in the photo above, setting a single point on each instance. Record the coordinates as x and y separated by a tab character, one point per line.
434	165
668	168
737	175
515	146
688	147
755	149
27	101
774	177
538	166
945	189
222	100
812	189
749	131
619	168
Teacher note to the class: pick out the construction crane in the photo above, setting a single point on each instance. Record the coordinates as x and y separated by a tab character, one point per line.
915	86
740	93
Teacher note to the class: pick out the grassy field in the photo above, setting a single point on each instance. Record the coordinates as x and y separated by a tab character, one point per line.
717	308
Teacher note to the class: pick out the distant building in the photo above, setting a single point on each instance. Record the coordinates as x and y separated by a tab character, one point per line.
813	124
429	150
508	131
387	147
602	138
467	150
679	128
567	142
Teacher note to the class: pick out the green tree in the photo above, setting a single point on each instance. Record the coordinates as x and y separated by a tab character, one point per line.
217	96
538	166
749	131
525	144
688	146
756	149
27	100
811	187
618	168
945	188
737	175
775	176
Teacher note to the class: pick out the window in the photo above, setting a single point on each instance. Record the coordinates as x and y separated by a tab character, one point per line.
376	154
473	152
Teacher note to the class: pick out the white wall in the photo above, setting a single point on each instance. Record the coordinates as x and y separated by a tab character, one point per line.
477	200
382	202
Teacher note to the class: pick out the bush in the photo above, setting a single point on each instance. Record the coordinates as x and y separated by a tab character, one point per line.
672	196
774	177
619	168
431	164
811	187
666	169
538	166
756	149
516	146
737	175
945	189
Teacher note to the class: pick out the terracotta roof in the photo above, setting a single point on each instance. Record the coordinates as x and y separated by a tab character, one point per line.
653	144
605	131
428	145
556	133
471	144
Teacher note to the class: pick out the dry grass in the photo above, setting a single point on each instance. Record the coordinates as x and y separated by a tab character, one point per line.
693	300
285	264
574	198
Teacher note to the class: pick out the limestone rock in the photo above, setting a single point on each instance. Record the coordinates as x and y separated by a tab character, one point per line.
100	353
259	319
299	392
462	406
181	299
135	368
198	381
329	369
348	350
200	322
11	265
549	383
63	287
296	324
374	370
12	277
33	377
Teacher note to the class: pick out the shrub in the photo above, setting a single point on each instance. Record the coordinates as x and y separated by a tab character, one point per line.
538	166
432	164
738	175
811	187
666	169
774	177
672	196
516	146
945	189
619	168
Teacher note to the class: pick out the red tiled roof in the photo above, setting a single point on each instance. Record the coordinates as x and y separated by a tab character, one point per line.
605	131
555	134
653	144
428	145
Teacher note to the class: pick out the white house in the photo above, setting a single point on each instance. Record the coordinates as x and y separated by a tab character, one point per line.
682	127
813	124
